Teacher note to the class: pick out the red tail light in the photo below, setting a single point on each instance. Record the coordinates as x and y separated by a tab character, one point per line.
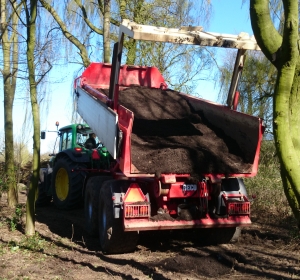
78	150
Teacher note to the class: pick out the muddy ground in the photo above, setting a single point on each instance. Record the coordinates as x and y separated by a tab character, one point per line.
63	250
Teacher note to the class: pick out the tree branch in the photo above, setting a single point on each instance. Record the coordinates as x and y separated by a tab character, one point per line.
45	73
67	34
87	21
264	30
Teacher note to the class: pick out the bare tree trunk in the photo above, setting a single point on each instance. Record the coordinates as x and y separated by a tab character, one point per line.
9	72
31	14
106	32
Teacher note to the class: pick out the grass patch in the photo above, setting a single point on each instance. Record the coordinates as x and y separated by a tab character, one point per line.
16	219
270	201
33	243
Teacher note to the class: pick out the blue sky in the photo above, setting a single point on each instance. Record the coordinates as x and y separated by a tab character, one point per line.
229	16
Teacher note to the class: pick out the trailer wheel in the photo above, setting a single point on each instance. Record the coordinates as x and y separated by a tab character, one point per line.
43	199
67	184
113	239
91	203
214	236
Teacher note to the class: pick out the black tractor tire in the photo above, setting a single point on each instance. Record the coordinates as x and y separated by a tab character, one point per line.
91	203
43	199
215	236
67	183
113	238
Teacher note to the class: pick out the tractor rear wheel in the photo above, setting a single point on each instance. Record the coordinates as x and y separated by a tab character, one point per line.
67	183
113	239
91	203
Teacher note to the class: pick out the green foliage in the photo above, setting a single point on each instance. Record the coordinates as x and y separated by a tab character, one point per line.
3	184
3	180
268	155
270	202
33	243
13	245
17	217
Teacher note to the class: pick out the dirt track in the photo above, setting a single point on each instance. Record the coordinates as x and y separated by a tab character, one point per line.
63	250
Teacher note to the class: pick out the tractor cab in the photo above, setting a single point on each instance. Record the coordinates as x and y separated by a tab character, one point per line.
74	142
74	135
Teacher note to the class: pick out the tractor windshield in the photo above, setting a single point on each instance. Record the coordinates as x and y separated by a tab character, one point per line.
81	138
83	135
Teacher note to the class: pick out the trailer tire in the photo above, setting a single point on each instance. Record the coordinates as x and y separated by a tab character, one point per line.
113	238
67	184
215	236
43	199
91	203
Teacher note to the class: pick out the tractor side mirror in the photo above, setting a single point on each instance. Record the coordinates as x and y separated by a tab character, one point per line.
43	134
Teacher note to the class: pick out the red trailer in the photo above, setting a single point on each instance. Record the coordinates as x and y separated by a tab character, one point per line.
176	161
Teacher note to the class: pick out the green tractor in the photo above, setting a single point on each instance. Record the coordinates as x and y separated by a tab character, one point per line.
79	157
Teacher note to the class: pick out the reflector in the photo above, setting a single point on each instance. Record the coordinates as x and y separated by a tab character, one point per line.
95	154
134	194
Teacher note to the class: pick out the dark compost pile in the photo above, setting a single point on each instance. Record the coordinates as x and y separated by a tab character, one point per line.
169	137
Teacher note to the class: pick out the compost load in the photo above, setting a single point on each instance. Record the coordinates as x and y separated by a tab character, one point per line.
168	136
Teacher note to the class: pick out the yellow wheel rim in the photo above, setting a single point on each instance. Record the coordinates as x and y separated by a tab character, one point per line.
62	184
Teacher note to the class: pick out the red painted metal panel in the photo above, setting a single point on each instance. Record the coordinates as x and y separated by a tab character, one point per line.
125	125
146	224
97	75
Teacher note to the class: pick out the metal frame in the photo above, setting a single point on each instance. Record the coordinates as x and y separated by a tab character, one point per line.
187	35
191	35
237	73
